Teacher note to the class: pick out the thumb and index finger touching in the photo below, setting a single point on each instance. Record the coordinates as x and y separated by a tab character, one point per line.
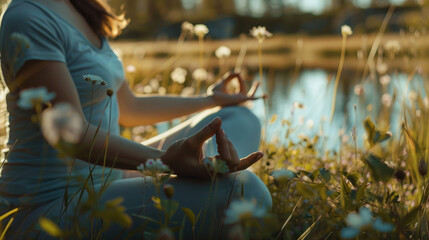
209	131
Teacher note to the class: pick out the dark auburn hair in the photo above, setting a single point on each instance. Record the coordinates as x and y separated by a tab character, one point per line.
101	17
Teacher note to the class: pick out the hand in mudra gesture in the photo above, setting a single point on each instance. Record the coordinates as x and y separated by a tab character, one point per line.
185	157
220	93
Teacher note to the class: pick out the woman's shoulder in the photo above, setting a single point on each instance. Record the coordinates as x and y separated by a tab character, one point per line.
24	12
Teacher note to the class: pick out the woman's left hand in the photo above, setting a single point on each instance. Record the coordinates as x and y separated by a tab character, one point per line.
220	95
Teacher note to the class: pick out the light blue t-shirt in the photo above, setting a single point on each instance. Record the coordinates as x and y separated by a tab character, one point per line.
34	172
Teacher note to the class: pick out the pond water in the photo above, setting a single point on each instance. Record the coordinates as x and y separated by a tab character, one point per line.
314	89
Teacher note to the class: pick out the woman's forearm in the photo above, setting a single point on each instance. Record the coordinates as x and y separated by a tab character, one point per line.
154	109
100	148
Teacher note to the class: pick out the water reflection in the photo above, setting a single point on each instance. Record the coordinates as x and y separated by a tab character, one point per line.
314	89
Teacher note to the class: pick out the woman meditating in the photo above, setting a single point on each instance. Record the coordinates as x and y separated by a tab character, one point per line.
66	42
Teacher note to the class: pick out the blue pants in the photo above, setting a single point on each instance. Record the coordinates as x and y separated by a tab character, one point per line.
211	199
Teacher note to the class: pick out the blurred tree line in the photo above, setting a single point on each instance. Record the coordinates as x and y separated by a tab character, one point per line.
162	18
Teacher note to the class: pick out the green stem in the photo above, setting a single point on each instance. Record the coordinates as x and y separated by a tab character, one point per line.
337	78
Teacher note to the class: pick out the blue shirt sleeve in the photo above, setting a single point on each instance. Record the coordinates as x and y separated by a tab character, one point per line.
28	33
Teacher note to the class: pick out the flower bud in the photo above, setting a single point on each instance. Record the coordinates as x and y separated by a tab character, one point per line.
423	167
400	175
166	234
168	190
109	92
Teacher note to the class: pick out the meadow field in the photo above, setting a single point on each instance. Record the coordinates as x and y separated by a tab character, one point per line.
359	170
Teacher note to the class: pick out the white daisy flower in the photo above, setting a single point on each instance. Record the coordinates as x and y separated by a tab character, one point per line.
201	30
223	52
241	211
29	98
200	74
260	33
62	122
346	30
178	75
282	175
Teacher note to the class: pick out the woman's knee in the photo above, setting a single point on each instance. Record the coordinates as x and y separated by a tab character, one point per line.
241	114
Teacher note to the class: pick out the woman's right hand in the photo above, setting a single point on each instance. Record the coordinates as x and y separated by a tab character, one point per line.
185	156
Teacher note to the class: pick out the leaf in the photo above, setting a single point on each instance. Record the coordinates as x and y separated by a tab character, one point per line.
308	174
326	175
353	178
361	191
306	191
169	206
157	202
369	129
411	216
147	219
379	170
345	191
375	135
50	227
381	136
191	215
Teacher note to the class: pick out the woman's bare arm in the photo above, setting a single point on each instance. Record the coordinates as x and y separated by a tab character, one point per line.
146	110
153	109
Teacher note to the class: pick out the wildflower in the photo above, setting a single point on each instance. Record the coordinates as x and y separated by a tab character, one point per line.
162	91
386	100
356	222
131	69
359	90
168	190
216	165
260	33
423	167
153	168
32	97
187	27
385	80
94	79
310	123
381	226
200	74
298	105
147	89
241	211
382	68
392	46
109	92
223	52
346	30
413	96
282	175
201	30
154	83
165	234
178	75
20	39
62	122
418	113
187	91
